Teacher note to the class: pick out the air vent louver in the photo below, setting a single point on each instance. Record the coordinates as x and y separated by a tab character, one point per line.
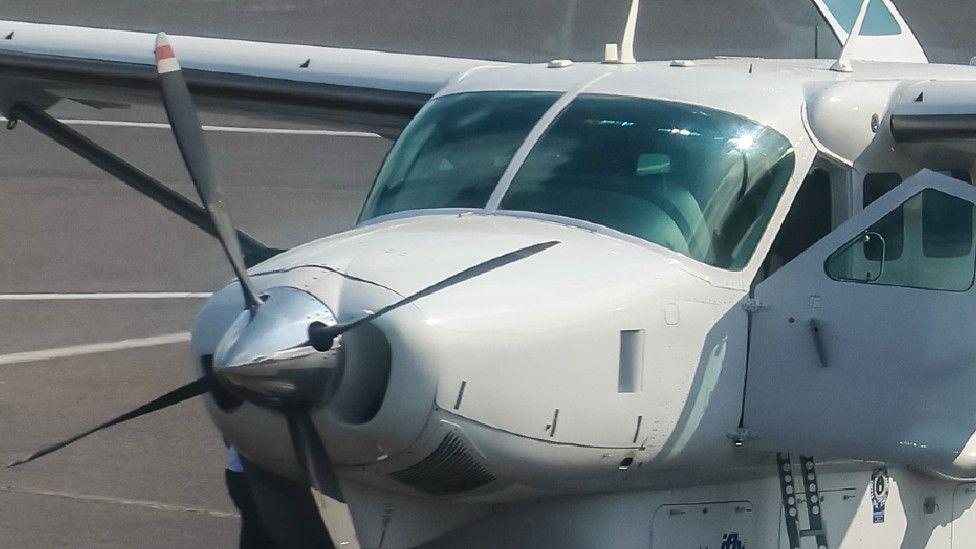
450	469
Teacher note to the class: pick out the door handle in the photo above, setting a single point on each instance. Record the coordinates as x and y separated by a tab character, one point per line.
815	331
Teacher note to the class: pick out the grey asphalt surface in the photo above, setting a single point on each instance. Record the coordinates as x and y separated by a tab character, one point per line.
512	30
66	227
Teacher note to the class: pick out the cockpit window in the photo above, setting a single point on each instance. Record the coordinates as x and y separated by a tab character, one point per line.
701	182
455	150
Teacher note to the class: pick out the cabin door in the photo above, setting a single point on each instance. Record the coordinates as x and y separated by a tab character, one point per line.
864	346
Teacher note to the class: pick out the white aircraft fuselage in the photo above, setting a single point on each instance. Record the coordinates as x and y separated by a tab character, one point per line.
609	364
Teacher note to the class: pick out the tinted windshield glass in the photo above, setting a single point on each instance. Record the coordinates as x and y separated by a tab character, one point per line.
701	182
453	153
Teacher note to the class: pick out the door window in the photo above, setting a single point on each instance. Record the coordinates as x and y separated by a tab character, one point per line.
927	242
892	227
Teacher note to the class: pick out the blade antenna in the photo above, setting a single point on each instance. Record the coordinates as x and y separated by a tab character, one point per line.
843	63
186	126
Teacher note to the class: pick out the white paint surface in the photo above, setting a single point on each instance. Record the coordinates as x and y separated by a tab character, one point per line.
103	296
92	348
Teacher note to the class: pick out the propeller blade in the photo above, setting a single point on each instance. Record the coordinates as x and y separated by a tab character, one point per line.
190	390
311	454
183	119
321	336
254	251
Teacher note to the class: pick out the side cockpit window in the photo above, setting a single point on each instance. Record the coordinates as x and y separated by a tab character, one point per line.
808	220
927	242
961	175
947	226
878	184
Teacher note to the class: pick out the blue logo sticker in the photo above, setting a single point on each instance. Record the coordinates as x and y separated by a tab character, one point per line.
732	541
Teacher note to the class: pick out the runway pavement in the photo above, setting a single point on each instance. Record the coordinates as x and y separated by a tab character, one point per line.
67	228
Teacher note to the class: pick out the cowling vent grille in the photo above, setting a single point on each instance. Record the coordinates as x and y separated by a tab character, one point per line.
449	469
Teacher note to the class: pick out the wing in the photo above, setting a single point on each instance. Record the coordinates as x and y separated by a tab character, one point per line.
43	65
354	89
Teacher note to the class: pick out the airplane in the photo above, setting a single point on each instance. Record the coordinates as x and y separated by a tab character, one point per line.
716	302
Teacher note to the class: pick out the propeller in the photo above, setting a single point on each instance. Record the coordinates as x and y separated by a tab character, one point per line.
283	376
309	449
186	127
172	398
310	452
185	122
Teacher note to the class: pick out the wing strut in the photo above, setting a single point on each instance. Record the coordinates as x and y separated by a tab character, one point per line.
254	251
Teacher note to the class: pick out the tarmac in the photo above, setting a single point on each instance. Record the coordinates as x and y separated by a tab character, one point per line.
68	230
69	359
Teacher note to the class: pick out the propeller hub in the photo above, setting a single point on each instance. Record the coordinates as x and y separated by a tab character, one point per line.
265	358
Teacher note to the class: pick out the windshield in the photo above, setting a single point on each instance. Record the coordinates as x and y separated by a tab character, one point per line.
455	150
701	182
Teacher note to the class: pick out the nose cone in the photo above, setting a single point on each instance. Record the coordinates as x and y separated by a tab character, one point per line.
264	357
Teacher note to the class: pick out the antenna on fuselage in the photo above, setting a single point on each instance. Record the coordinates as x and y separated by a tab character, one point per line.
626	54
843	63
